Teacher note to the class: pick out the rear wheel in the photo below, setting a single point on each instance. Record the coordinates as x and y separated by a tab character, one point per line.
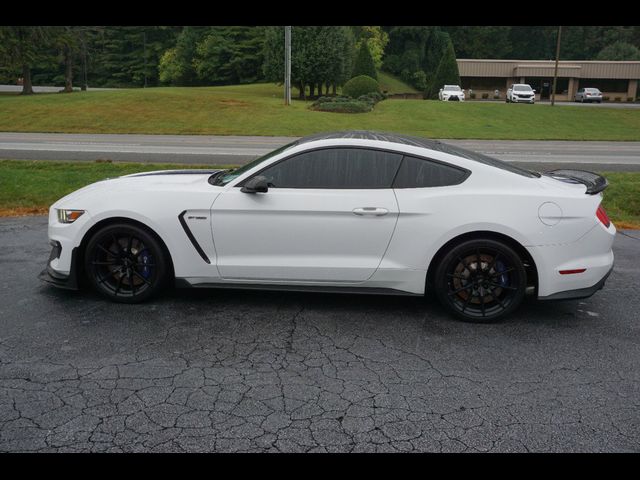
481	280
125	263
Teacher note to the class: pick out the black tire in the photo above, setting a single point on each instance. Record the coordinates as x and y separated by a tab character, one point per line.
125	263
486	295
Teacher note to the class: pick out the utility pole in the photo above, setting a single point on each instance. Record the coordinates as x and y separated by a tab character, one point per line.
555	73
84	63
287	65
144	43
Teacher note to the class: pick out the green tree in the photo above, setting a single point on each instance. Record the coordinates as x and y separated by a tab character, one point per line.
20	48
364	64
230	55
447	72
319	56
376	39
619	51
125	56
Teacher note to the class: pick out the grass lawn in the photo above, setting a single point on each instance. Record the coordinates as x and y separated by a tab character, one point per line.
29	187
258	110
393	84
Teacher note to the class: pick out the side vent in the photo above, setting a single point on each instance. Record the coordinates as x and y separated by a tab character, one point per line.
192	238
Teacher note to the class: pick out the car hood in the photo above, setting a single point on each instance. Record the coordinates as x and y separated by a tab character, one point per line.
158	180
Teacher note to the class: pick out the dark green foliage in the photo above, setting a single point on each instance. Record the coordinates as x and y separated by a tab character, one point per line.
446	74
364	64
412	50
230	55
346	104
619	51
176	64
320	56
360	85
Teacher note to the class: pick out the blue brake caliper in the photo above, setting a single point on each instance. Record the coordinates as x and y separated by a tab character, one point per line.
146	258
504	278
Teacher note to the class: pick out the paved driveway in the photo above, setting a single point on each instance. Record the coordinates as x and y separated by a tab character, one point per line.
253	371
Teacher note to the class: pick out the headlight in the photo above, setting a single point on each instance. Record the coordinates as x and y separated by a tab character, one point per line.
69	216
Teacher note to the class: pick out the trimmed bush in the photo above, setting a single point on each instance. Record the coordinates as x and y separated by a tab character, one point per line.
629	99
485	96
343	104
364	63
472	96
605	99
618	99
360	85
348	106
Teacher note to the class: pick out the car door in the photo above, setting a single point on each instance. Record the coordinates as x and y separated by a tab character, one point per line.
328	216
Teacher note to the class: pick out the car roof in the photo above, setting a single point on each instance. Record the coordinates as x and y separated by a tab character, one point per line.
409	140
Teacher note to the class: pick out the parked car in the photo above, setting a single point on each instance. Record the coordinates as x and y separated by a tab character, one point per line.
451	93
353	212
588	95
521	93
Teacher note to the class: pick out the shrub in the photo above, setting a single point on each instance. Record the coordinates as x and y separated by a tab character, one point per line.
347	106
485	96
360	85
605	99
364	63
472	95
496	97
343	104
617	99
629	99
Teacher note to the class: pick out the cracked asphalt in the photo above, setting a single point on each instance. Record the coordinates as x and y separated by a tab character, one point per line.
232	371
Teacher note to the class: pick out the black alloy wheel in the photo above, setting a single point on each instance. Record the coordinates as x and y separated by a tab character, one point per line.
125	263
481	280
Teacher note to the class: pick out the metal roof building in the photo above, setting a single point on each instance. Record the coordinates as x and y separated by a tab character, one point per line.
617	80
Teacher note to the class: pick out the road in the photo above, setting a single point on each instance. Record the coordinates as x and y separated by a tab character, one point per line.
233	371
223	150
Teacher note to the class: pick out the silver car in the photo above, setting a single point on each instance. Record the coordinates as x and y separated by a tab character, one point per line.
588	95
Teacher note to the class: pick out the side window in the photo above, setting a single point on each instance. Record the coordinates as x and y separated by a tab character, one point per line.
419	173
335	168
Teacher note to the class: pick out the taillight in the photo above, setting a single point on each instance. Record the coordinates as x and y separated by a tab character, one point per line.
602	216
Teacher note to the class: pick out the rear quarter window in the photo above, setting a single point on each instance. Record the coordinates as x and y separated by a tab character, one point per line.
422	173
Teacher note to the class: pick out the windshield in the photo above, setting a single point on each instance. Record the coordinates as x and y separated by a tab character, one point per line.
455	88
592	90
522	88
230	175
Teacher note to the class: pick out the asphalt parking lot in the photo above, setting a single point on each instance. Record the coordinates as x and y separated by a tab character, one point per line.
261	371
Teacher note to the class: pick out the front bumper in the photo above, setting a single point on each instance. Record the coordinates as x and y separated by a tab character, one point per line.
57	279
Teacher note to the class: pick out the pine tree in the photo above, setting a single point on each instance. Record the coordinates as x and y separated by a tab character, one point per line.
447	72
364	64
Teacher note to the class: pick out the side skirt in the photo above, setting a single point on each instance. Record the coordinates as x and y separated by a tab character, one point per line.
184	283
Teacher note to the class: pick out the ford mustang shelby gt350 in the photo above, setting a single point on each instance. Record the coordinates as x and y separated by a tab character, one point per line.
358	212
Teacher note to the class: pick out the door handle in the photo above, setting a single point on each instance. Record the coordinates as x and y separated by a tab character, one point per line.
375	211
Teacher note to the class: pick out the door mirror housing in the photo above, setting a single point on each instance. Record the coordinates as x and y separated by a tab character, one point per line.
257	184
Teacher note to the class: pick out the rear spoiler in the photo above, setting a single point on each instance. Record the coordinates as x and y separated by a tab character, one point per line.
595	183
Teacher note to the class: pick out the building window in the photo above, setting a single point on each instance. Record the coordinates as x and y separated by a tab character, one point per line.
605	84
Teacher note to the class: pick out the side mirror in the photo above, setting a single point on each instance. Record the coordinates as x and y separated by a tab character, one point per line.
257	184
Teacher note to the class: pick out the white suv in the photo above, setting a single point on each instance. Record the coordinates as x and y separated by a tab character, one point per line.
521	92
451	93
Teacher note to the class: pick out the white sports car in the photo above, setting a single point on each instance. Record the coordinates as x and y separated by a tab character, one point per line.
356	212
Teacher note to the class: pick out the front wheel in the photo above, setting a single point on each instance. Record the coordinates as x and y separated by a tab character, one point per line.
481	280
125	263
